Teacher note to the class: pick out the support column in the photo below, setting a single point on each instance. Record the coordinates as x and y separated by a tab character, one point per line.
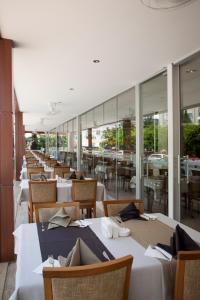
90	138
173	142
6	152
19	139
78	143
139	143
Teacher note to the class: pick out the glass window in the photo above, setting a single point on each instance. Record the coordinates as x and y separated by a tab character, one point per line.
110	111
190	142
98	116
155	144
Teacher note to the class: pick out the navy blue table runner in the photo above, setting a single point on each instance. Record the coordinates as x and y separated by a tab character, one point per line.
60	241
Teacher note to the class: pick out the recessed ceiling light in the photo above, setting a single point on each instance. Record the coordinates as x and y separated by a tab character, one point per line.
191	70
71	89
96	61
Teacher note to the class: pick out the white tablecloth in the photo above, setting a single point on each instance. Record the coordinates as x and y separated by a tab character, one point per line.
146	278
63	191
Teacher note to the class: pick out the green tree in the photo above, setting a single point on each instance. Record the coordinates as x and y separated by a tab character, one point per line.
191	135
148	133
109	138
41	139
115	138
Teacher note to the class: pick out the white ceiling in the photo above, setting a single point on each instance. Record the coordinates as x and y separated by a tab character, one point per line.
57	41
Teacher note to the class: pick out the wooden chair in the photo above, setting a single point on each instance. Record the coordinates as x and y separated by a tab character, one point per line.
106	280
84	191
34	170
41	192
51	163
60	171
113	207
188	276
44	211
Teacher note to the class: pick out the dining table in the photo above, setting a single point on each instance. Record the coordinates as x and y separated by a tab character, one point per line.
63	191
147	276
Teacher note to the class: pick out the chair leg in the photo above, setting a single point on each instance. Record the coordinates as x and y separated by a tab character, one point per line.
30	214
30	218
94	212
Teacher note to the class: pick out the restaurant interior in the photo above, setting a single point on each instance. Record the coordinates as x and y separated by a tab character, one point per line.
99	150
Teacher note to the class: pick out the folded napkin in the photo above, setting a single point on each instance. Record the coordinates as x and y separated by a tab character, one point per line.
61	218
73	175
149	217
180	241
43	177
46	263
129	212
80	255
81	177
157	252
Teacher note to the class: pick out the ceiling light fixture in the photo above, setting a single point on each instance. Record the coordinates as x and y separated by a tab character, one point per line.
164	4
96	61
53	107
71	89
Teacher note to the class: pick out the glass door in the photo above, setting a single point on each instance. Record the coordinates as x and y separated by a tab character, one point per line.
190	143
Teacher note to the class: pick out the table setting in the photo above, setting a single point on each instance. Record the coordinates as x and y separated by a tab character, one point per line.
149	271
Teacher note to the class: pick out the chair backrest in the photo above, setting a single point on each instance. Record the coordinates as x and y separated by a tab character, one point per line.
60	171
30	159
39	176
42	191
188	276
66	175
106	280
35	170
84	190
51	163
113	207
44	211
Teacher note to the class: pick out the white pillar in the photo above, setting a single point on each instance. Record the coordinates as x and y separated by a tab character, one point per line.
173	141
139	144
78	154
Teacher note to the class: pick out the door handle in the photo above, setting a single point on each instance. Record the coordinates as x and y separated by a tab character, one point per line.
179	169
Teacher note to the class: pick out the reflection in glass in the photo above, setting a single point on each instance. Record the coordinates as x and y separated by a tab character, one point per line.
108	145
190	142
155	144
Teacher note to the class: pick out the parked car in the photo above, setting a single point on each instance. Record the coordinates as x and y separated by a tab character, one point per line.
157	156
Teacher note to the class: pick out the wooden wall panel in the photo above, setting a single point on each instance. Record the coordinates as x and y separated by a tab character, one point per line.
6	152
19	142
